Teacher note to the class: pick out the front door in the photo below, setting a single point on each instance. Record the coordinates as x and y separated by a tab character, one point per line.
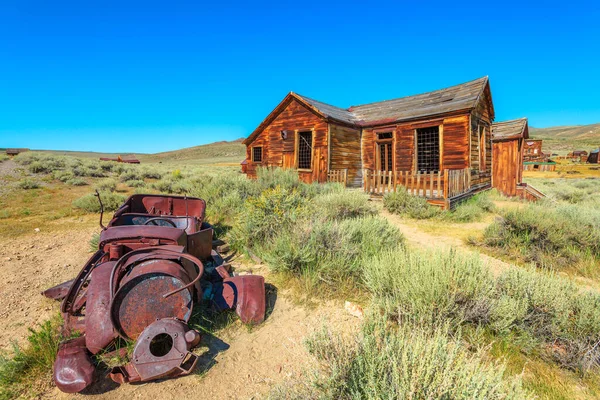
384	156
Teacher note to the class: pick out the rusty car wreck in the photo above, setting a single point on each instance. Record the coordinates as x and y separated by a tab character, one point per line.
155	261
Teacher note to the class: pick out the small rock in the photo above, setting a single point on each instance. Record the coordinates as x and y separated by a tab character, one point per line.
354	309
8	259
37	229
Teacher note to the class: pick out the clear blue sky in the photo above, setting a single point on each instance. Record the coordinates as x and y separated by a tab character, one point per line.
156	76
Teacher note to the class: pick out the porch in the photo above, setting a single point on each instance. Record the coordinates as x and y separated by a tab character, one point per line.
442	188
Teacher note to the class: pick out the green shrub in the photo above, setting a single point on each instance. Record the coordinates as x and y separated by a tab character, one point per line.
176	174
548	235
90	203
554	312
267	215
344	204
431	287
472	209
76	182
38	167
402	203
401	362
31	361
130	175
330	251
135	183
539	311
94	242
148	173
28	184
4	157
63	175
269	178
106	185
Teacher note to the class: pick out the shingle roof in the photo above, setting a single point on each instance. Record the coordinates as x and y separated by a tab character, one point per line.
514	129
330	111
454	98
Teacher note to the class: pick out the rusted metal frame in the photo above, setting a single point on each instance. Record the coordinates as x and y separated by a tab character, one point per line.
67	304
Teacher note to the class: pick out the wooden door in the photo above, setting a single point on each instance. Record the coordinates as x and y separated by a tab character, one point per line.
384	157
505	167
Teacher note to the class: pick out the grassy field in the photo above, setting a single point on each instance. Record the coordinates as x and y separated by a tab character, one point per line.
438	324
564	139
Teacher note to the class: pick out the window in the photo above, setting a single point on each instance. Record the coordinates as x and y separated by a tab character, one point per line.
482	149
305	150
428	149
384	135
257	154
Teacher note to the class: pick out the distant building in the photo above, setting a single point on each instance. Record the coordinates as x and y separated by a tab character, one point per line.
577	154
130	159
532	150
593	157
14	152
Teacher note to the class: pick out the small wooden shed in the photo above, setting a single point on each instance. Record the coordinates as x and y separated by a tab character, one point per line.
509	145
507	154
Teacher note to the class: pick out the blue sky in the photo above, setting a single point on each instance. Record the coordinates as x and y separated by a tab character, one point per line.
156	76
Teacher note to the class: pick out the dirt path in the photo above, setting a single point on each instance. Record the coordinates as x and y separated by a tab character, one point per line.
417	238
245	363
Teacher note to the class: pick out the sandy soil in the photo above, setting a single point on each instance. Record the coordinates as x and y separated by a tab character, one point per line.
29	265
240	363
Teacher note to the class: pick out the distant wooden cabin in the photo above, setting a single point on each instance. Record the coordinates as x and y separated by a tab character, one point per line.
437	144
123	159
532	150
14	152
593	157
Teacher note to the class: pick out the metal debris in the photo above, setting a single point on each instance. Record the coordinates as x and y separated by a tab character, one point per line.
154	263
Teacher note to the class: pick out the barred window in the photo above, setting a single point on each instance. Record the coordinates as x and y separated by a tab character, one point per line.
428	149
305	150
257	154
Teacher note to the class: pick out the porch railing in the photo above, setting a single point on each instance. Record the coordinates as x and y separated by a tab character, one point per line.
431	185
338	175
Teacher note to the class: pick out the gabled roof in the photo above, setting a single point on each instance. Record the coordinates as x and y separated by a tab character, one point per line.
514	129
455	98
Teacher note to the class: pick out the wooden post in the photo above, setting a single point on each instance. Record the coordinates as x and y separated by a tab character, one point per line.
446	183
431	184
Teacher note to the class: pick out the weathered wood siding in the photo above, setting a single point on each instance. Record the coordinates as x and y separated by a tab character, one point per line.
455	143
278	152
454	138
481	117
506	166
345	152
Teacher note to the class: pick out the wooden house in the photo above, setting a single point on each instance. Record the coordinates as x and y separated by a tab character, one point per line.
437	144
14	152
129	159
532	150
593	157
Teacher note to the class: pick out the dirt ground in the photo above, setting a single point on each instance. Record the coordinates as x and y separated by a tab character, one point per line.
243	363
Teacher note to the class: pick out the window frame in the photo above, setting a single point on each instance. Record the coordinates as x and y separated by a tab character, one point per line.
482	148
391	141
297	149
440	128
261	154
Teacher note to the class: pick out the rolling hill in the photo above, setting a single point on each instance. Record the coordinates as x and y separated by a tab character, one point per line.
563	139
